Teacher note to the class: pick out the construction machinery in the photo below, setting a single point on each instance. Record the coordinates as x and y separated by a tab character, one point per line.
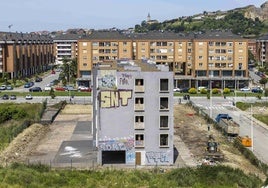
245	141
213	152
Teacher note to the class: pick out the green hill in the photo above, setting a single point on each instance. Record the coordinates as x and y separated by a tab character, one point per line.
220	20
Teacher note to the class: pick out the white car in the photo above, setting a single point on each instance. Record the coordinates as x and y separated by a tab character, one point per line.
245	89
28	97
47	88
177	90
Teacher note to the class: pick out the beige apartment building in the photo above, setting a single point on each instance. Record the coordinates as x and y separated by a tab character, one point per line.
213	58
23	55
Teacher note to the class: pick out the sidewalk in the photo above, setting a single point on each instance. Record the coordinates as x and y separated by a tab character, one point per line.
185	157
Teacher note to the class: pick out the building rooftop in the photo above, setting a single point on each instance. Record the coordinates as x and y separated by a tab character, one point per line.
15	37
144	65
217	34
160	35
264	37
67	37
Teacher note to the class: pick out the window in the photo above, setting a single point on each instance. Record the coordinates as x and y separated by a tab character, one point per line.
84	51
240	50
95	44
139	82
164	103
84	43
163	140
139	85
240	43
200	57
125	50
139	122
139	101
200	64
124	43
229	44
84	64
163	122
163	84
139	140
143	50
230	51
210	43
189	50
200	43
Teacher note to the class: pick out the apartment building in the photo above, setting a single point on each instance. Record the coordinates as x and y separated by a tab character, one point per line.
65	46
23	55
216	58
262	50
133	113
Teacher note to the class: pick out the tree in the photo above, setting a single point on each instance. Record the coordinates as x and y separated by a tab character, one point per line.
69	68
263	81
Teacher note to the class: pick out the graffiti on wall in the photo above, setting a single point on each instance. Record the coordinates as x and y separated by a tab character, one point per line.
109	144
107	79
157	157
125	79
109	99
120	144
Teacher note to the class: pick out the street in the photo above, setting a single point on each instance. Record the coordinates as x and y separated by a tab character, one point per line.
248	126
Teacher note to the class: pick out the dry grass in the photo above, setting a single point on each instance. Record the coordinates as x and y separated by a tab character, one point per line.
77	109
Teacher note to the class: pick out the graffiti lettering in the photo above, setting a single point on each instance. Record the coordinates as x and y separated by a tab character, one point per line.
157	157
125	79
117	145
112	98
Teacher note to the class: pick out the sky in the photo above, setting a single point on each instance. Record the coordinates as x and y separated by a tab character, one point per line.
54	15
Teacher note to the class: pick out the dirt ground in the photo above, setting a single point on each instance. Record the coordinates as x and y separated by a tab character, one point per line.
193	130
188	125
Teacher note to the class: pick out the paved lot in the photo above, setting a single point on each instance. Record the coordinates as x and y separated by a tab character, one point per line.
69	141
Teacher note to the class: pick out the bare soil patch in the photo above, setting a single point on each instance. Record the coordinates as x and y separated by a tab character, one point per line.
193	130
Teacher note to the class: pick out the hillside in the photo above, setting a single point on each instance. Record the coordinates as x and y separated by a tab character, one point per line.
247	21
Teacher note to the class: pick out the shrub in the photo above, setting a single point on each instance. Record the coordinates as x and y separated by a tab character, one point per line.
193	91
215	91
203	91
226	91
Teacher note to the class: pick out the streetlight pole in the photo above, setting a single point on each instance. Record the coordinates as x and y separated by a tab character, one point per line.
251	125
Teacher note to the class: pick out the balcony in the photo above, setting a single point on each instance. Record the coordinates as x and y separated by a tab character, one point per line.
139	125
139	107
139	89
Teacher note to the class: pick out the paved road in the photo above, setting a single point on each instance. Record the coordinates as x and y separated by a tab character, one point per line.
248	125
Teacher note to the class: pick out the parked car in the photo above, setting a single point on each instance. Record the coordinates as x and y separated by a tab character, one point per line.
5	97
47	88
35	89
245	89
3	87
59	88
13	97
257	90
177	90
69	88
84	88
28	97
38	79
27	85
185	90
9	87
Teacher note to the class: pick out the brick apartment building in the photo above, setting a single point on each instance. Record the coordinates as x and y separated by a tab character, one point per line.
23	55
133	113
262	50
196	59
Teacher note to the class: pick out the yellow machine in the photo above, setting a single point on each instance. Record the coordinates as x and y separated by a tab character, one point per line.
245	141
